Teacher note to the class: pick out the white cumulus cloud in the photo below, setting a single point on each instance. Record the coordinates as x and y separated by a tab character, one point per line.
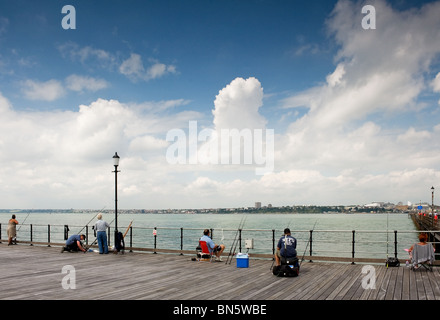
45	91
134	69
79	83
237	105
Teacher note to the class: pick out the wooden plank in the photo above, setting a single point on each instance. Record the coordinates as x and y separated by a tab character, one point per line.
312	274
355	285
381	294
413	294
332	277
426	276
405	284
435	283
392	284
347	280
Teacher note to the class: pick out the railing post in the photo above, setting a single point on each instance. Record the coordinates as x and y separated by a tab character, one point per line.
66	232
353	241
239	240
181	241
87	235
48	235
131	239
273	244
311	245
31	235
155	239
395	244
0	232
108	237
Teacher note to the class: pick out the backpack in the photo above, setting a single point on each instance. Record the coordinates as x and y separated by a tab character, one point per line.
392	262
120	244
289	267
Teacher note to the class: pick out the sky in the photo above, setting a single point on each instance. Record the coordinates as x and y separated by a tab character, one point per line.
218	104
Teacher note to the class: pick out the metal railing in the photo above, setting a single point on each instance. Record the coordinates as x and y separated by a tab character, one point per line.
339	245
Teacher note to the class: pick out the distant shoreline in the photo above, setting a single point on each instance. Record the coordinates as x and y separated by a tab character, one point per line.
264	210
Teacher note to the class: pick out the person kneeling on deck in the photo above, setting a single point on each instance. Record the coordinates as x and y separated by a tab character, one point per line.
216	249
286	256
74	243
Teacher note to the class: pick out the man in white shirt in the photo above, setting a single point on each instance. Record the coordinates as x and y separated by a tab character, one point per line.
101	234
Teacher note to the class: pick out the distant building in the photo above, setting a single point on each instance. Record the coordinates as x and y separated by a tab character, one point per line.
374	205
257	205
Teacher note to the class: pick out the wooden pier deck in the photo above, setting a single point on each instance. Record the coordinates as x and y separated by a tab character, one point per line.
35	273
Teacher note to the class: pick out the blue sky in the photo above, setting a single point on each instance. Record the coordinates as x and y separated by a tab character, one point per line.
208	43
355	112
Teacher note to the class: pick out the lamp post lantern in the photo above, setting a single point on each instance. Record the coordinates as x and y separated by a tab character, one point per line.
116	164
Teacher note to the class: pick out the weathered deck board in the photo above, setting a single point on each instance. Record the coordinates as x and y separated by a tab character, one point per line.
34	273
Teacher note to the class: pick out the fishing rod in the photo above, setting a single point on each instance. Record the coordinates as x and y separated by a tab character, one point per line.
238	238
89	246
223	237
79	232
230	251
234	243
23	221
302	259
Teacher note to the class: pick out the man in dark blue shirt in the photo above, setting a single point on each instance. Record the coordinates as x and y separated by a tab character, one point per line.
286	247
74	243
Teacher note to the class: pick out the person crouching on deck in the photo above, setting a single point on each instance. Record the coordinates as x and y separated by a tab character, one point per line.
74	243
216	249
286	247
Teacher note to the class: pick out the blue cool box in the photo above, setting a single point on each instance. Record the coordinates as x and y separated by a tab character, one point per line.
242	260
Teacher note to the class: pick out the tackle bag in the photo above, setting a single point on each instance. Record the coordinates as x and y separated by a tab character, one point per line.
289	268
392	262
120	243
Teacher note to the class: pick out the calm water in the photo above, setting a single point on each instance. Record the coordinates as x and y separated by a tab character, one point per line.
332	233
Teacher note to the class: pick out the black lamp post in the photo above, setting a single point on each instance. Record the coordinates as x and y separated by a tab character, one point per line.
116	164
432	210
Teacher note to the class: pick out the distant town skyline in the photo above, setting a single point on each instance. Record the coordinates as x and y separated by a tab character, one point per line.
323	102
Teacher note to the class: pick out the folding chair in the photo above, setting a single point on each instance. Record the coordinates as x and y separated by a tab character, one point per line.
204	254
422	255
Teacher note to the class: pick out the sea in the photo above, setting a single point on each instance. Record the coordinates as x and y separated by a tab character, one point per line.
371	235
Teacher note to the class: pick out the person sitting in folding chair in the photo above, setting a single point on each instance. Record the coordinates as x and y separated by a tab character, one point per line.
422	253
214	249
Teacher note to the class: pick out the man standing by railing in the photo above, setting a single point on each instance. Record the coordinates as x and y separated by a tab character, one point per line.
101	234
